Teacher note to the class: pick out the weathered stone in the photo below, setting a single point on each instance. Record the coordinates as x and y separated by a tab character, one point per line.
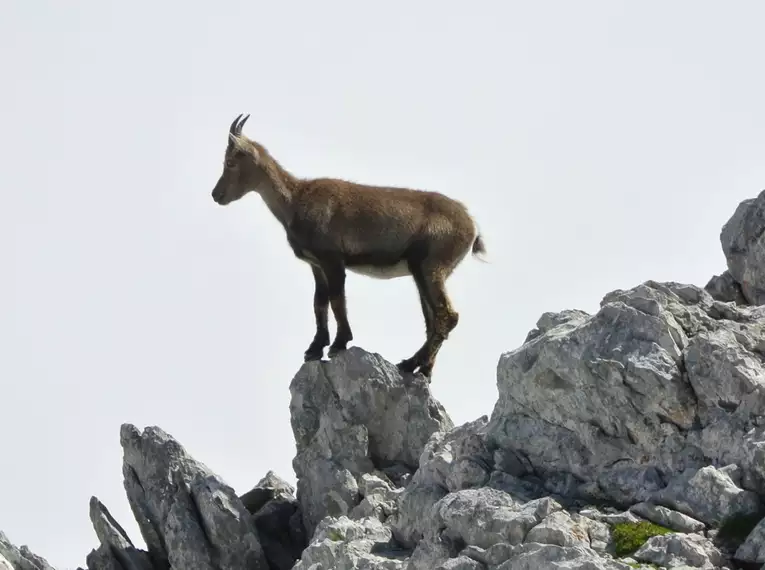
20	558
484	517
116	550
743	242
343	544
606	399
753	548
673	550
609	518
350	415
560	529
434	477
522	490
667	517
724	288
535	556
460	563
187	515
269	487
707	494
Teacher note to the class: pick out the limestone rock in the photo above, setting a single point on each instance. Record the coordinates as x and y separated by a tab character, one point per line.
743	242
460	563
188	516
753	548
709	495
535	556
20	558
561	529
276	514
673	550
667	517
663	378
116	550
342	544
351	415
441	469
724	288
485	517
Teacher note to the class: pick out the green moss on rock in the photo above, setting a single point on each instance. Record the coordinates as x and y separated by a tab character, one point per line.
630	536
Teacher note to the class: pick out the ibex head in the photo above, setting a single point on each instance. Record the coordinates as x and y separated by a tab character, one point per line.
242	172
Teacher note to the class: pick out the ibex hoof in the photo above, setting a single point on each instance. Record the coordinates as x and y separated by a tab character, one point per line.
313	354
407	365
335	350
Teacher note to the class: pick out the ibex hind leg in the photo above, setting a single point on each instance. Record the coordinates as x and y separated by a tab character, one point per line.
440	317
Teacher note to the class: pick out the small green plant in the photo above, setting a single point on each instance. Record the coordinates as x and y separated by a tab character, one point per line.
630	536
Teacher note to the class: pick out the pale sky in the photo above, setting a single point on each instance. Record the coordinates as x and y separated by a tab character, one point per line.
597	143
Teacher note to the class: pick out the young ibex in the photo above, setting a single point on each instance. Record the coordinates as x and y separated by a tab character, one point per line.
381	232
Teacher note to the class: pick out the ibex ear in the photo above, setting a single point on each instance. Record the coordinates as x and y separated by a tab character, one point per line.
241	144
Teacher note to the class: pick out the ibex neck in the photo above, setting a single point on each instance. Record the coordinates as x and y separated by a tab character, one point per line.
278	191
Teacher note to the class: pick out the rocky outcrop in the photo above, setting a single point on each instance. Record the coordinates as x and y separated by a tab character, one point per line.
743	242
652	409
353	415
19	558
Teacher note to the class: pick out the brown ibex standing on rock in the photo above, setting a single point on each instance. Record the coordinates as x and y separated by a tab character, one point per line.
381	232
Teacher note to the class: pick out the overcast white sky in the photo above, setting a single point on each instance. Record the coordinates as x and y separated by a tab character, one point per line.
598	144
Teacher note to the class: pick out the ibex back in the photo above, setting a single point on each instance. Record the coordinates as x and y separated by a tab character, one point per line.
382	232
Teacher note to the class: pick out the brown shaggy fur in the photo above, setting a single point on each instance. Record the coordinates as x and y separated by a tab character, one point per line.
336	225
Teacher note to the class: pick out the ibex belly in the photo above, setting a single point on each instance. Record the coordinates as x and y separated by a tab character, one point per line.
399	269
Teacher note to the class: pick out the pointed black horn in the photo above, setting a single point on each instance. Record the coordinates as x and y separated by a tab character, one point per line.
233	128
239	128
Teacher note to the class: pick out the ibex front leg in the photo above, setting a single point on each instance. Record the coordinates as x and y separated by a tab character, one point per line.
320	311
335	273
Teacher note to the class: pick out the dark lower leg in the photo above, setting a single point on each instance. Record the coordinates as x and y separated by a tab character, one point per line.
428	314
410	364
336	282
344	334
444	321
320	311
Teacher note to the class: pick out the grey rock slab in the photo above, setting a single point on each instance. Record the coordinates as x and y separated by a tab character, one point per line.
721	370
535	556
753	548
188	516
460	563
561	529
708	495
667	517
724	288
116	550
269	487
343	544
743	243
609	518
20	557
351	415
445	464
673	550
661	379
484	517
